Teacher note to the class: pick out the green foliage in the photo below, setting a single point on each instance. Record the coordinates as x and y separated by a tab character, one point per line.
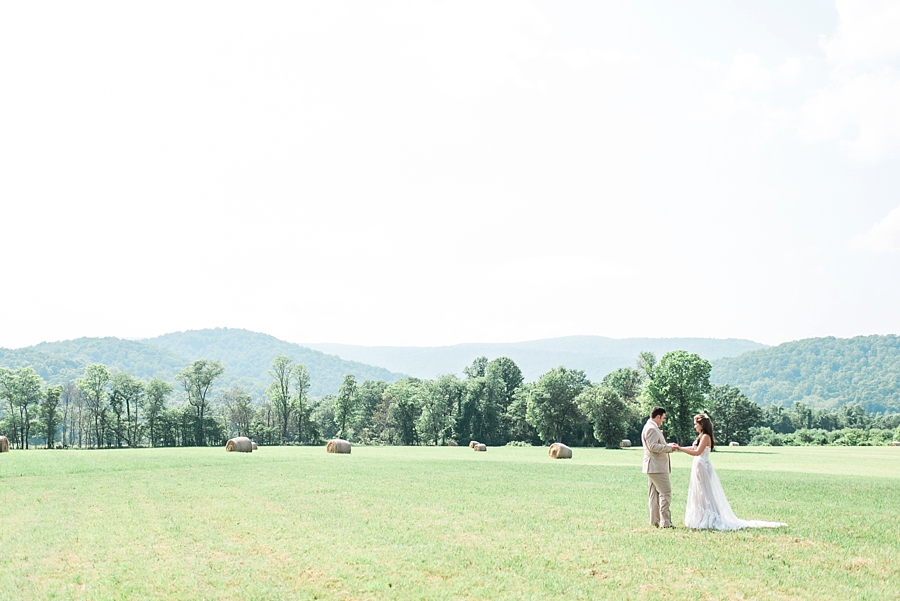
345	405
732	414
197	379
279	391
434	416
679	384
248	355
551	406
608	413
126	396
49	415
300	402
822	373
93	389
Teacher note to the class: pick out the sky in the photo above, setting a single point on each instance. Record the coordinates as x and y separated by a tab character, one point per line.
417	173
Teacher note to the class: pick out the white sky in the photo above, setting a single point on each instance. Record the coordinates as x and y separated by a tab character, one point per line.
433	173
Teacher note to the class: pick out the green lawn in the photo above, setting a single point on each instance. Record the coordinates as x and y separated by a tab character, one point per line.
439	523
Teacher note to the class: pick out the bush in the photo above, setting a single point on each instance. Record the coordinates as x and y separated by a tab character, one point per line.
850	437
811	437
518	443
762	437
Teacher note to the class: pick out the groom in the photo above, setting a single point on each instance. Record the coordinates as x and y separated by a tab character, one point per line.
657	467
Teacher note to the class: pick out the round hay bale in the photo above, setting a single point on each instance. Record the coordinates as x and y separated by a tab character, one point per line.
239	444
254	446
625	443
452	443
338	445
734	443
4	444
559	451
480	447
895	443
472	444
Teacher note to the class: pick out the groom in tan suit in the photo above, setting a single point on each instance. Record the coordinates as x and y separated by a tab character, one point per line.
657	467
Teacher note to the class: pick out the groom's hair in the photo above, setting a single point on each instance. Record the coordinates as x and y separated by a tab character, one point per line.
657	411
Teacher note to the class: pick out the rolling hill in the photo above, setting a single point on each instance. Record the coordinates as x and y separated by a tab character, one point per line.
821	372
247	357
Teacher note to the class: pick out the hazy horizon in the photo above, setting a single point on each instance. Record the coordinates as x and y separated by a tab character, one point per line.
468	342
417	174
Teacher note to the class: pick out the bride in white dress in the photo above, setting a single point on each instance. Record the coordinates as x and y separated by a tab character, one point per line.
707	507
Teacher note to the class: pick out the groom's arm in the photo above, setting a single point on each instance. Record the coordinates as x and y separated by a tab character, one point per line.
659	447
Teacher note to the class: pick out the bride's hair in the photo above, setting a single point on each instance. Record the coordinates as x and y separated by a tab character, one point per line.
706	427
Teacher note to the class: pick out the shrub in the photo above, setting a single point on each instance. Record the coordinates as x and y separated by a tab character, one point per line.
762	437
811	437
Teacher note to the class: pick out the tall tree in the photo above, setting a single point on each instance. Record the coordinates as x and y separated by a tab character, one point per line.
646	363
607	412
551	402
29	392
732	414
478	369
300	401
68	402
49	414
453	397
157	391
401	403
483	396
508	377
368	398
679	384
627	382
197	379
345	404
127	393
9	385
434	419
238	410
93	389
279	392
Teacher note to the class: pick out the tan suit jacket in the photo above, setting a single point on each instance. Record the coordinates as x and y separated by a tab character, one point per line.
656	450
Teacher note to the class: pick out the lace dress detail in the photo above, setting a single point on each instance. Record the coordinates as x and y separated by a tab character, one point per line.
707	507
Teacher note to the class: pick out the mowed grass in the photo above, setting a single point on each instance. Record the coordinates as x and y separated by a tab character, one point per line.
439	523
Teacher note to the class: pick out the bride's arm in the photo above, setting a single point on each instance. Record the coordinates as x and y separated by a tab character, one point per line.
698	446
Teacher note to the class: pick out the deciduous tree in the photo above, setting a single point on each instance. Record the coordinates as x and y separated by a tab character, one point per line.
93	389
157	391
197	379
551	402
607	412
732	414
345	404
679	384
49	414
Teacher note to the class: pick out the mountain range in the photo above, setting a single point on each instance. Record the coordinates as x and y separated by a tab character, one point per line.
820	372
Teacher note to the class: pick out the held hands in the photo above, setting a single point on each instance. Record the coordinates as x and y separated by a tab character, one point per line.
675	446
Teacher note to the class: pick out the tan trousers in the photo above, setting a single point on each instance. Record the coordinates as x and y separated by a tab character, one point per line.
660	497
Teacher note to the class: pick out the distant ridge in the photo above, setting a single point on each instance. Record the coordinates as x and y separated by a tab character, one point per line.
820	372
247	357
596	355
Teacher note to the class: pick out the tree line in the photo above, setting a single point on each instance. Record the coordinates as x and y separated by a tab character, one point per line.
491	403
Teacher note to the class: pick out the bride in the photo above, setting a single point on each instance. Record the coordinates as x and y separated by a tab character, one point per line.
707	507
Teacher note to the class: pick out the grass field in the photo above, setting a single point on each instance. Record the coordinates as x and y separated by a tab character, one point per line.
439	523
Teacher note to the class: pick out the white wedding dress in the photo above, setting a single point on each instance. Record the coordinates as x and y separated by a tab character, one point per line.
707	507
